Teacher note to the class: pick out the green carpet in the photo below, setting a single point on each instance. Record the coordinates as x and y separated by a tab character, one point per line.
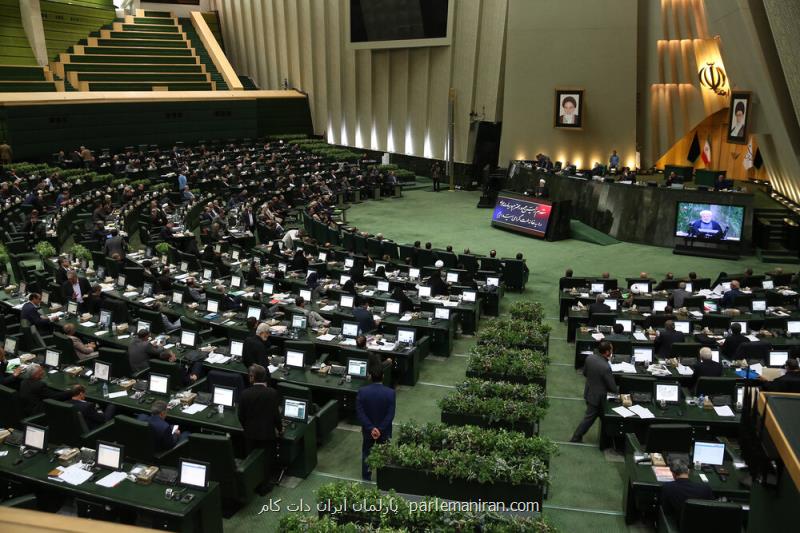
586	491
583	232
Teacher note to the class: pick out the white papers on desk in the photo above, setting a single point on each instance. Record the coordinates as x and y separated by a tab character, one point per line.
130	294
385	347
101	332
75	474
181	277
147	300
194	408
329	307
752	338
685	370
642	412
598	336
367	292
118	394
623	367
217	358
57	314
272	369
327	337
696	314
706	292
405	318
787	292
723	410
168	346
450	304
639	336
584	295
89	324
624	412
111	480
348	342
126	336
757	368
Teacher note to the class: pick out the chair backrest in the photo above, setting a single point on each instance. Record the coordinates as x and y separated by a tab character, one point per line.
622	347
491	263
469	261
701	516
65	424
294	391
173	370
138	438
663	438
628	384
9	408
716	321
712	386
227	379
217	451
602	319
134	276
120	364
64	345
685	349
753	350
153	317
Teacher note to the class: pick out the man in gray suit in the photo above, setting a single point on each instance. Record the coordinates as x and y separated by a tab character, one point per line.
679	295
599	381
114	245
141	351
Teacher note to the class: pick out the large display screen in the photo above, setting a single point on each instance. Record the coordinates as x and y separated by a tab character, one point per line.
709	222
399	23
520	213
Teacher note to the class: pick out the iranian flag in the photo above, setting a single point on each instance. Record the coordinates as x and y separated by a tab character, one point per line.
706	155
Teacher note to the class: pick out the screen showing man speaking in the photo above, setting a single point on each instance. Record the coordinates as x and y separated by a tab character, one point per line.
710	222
519	213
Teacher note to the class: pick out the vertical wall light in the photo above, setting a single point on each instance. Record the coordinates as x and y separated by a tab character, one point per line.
427	152
373	138
344	140
390	140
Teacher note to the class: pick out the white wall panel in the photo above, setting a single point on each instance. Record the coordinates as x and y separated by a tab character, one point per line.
359	95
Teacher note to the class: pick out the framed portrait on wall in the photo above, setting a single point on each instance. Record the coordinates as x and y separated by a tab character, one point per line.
739	117
569	108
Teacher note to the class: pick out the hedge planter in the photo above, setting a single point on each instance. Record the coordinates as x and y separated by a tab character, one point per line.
494	376
537	347
410	481
530	429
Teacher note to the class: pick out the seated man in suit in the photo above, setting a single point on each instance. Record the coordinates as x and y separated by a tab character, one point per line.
679	295
675	493
93	416
362	314
733	341
76	289
30	312
141	350
375	406
730	296
706	367
618	334
789	382
83	351
599	306
666	338
315	320
256	348
115	244
165	435
33	392
9	380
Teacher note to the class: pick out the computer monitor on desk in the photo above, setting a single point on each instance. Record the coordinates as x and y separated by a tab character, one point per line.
348	263
177	297
188	338
642	354
299	321
105	319
102	371
413	273
344	278
492	281
441	313
792	327
708	453
350	329
778	358
10	345
452	277
236	348
295	409
212	306
468	296
109	455
767	284
72	308
305	294
267	288
193	474
659	306
236	282
612	304
406	336
222	395
346	301
383	286
51	358
357	368
640	287
597	287
35	437
392	307
759	306
684	326
627	325
668	392
295	359
424	292
158	384
254	312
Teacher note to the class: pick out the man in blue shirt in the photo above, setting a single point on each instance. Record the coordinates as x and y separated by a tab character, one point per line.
375	406
182	181
613	161
362	314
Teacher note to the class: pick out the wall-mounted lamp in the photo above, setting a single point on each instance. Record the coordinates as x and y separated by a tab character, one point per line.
713	78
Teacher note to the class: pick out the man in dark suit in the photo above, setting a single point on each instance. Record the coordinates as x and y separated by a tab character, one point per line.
618	334
706	367
255	350
599	306
76	289
33	392
140	351
164	436
679	295
728	299
62	270
30	312
599	382
675	493
375	405
666	338
363	316
789	382
114	245
261	420
733	341
93	416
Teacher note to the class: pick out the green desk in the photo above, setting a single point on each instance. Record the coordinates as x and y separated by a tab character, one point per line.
705	422
202	514
643	490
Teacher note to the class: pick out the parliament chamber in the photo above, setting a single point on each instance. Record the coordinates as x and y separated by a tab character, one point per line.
355	265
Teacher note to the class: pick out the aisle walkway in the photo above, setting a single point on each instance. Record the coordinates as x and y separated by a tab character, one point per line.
586	491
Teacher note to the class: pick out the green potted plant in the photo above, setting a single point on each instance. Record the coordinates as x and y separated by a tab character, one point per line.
497	362
44	249
529	311
162	248
79	251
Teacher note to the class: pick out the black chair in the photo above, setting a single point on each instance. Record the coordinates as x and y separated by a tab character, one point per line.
515	274
685	349
470	262
716	321
753	350
602	319
138	439
65	425
175	372
662	438
64	345
233	380
10	408
291	390
628	384
708	386
491	263
701	516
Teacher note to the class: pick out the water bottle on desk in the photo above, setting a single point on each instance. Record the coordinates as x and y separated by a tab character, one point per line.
105	390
